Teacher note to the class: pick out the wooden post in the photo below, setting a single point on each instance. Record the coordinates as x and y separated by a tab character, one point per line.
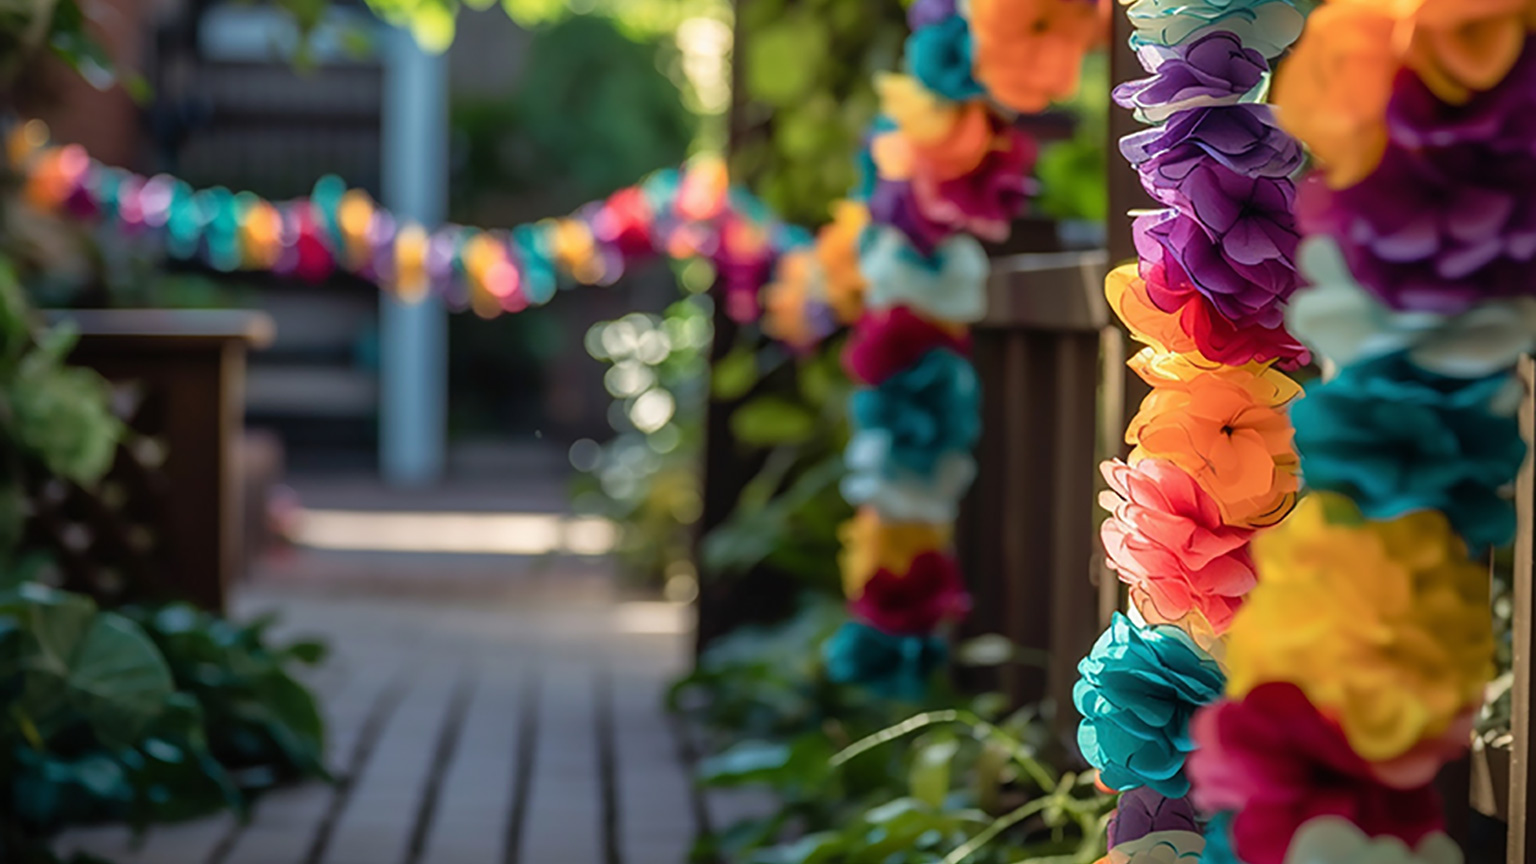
1522	849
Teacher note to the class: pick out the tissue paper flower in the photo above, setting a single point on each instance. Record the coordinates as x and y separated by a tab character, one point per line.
925	411
1384	625
1212	70
1459	47
1268	26
1143	611
926	13
902	496
1165	537
1233	239
1277	763
1137	691
1332	92
1436	230
939	54
1330	840
785	299
1164	847
1244	139
1235	446
920	114
1397	440
1141	811
893	204
985	200
897	667
1348	325
872	544
1218	841
1192	326
886	341
1029	52
950	285
914	601
1501	119
837	251
1266	384
959	150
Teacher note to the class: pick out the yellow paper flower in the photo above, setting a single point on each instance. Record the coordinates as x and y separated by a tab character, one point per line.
1384	625
837	250
921	115
870	544
354	215
411	281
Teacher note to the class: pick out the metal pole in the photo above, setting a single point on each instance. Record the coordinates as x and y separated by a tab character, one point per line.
414	336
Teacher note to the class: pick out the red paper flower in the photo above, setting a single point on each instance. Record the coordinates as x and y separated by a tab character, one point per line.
914	603
1279	763
887	341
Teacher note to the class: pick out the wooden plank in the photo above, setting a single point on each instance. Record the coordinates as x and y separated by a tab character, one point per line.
564	822
1522	848
655	818
476	802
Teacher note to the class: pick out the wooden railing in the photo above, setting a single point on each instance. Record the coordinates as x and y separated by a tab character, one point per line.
166	521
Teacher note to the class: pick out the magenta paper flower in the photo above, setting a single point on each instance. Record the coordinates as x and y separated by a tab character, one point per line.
1214	69
1502	119
1232	237
1434	231
895	204
1241	138
917	601
985	201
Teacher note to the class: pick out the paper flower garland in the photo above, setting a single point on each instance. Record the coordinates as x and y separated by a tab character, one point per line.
942	167
1213	460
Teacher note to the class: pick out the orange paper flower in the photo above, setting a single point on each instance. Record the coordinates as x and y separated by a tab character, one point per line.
870	544
1030	52
975	133
784	299
837	250
1229	432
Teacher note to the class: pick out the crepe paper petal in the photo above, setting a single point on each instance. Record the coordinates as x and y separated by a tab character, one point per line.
785	300
1211	71
871	544
965	145
1396	440
886	341
897	667
923	412
1162	847
949	285
985	200
894	204
743	261
837	251
1278	763
1243	262
1267	385
1140	812
1029	52
921	115
1192	326
1218	841
1145	613
1165	537
901	496
1501	119
1331	840
940	54
1138	689
1348	325
1383	625
1422	763
915	601
1244	139
1267	26
1236	447
1434	230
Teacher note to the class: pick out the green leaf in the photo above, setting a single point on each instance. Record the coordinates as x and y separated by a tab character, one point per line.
118	680
735	374
770	421
62	413
785	59
929	775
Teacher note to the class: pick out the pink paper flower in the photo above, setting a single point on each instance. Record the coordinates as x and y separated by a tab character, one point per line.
913	603
1167	539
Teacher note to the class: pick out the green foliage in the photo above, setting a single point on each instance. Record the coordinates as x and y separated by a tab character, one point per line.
1073	173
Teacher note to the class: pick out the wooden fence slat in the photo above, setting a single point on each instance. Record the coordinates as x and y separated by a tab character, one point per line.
1522	850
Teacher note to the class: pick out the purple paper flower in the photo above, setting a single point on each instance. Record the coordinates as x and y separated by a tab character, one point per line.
985	201
1436	230
1502	119
1213	70
924	13
1232	238
893	203
1242	138
1141	811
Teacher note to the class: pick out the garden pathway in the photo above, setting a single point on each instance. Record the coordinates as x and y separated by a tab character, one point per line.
483	710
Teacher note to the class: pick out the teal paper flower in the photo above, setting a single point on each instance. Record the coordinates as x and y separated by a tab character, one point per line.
1397	440
1218	841
898	667
1138	689
923	412
949	285
940	56
903	496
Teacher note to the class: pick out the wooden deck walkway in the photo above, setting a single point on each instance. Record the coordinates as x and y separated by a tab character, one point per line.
523	727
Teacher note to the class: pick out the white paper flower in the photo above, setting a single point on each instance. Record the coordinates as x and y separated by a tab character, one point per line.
949	286
1266	26
1347	324
1160	847
1332	840
903	496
